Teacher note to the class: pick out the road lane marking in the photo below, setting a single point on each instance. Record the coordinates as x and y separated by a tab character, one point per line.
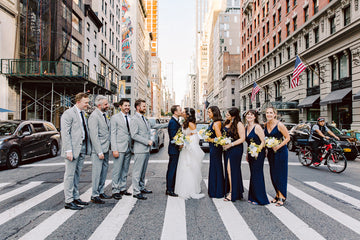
335	214
290	220
23	207
174	226
234	223
348	185
339	195
111	226
49	225
3	184
19	190
163	161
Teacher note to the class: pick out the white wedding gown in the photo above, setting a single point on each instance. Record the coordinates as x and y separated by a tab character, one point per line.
188	173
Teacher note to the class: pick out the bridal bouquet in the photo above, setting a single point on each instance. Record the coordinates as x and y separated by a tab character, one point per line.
271	142
223	140
254	150
180	139
204	133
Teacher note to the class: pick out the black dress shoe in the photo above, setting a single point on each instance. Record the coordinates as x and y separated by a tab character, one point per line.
117	196
97	200
171	193
126	193
79	202
145	191
140	196
104	196
72	206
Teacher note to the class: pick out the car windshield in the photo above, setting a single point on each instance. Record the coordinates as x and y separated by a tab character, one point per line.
7	128
334	130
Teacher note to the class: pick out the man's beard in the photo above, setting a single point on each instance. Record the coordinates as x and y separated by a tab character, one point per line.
104	109
142	111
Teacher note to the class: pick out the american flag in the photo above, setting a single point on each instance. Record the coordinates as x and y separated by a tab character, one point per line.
255	90
299	67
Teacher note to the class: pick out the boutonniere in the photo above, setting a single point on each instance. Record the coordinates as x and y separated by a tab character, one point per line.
181	120
86	115
107	116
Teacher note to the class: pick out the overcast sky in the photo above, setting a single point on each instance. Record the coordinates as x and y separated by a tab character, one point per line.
177	39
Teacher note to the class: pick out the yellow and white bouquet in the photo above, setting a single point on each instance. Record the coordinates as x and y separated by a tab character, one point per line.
180	139
271	142
223	140
205	133
254	150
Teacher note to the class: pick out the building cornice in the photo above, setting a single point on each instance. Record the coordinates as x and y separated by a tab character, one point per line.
93	17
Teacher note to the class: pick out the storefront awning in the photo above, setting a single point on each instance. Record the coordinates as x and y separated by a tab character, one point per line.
309	101
335	96
357	96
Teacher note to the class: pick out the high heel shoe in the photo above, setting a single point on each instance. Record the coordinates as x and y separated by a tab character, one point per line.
275	200
280	202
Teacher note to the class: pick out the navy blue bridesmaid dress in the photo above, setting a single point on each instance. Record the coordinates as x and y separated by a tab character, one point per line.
257	192
234	156
216	171
278	162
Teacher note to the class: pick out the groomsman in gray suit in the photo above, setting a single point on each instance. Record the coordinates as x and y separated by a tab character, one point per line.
75	145
140	133
99	126
121	149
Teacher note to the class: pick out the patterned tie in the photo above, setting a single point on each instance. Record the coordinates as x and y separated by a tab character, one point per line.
84	127
127	123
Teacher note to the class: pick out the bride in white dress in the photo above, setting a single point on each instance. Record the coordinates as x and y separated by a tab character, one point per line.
188	173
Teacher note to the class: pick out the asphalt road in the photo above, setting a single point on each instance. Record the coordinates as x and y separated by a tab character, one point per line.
320	205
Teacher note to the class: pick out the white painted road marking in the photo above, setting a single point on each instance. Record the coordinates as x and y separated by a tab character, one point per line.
19	190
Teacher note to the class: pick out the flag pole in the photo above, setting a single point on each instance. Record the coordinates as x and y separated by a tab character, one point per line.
308	65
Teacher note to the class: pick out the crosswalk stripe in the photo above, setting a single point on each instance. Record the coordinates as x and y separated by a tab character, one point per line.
4	184
23	207
114	221
340	217
342	196
291	221
234	223
19	190
49	225
175	219
348	185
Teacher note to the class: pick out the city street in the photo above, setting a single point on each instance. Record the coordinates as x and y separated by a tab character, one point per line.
320	205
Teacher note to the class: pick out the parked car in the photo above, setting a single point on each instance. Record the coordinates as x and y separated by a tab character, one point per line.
203	145
23	140
349	145
157	135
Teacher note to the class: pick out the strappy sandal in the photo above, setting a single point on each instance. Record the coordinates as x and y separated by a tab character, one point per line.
280	202
227	199
275	200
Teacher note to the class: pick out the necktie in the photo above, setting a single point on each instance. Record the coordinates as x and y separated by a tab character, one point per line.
105	118
144	120
84	127
127	123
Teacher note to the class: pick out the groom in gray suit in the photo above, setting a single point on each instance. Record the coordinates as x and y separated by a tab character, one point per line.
75	145
121	149
140	133
99	126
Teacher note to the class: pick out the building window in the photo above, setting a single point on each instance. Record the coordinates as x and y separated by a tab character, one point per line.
295	48
76	23
127	90
316	35
274	60
332	25
244	103
274	41
76	47
88	44
306	14
268	46
277	89
267	27
288	53
233	102
316	6
95	34
94	50
257	100
266	88
232	90
287	6
295	2
347	16
88	27
287	29
279	15
280	58
333	70
343	66
279	36
306	37
274	20
289	81
295	23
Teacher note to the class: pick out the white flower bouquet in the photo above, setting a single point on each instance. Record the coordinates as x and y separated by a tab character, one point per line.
254	150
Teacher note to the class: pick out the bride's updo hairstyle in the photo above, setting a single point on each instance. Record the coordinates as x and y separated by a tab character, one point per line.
234	112
190	117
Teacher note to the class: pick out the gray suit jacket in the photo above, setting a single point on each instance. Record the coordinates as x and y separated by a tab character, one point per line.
99	132
71	133
141	134
120	136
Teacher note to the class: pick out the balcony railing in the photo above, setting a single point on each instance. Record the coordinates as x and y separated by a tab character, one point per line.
100	80
28	67
278	99
313	91
341	84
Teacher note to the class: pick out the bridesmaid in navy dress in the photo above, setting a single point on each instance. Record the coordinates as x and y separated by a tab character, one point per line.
233	154
216	171
254	133
278	155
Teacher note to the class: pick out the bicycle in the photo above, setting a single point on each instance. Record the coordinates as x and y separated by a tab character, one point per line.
330	154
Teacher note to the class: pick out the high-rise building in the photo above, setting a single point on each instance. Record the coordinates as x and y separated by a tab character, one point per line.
152	24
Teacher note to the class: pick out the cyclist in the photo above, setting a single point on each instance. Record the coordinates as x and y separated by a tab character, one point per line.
317	137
